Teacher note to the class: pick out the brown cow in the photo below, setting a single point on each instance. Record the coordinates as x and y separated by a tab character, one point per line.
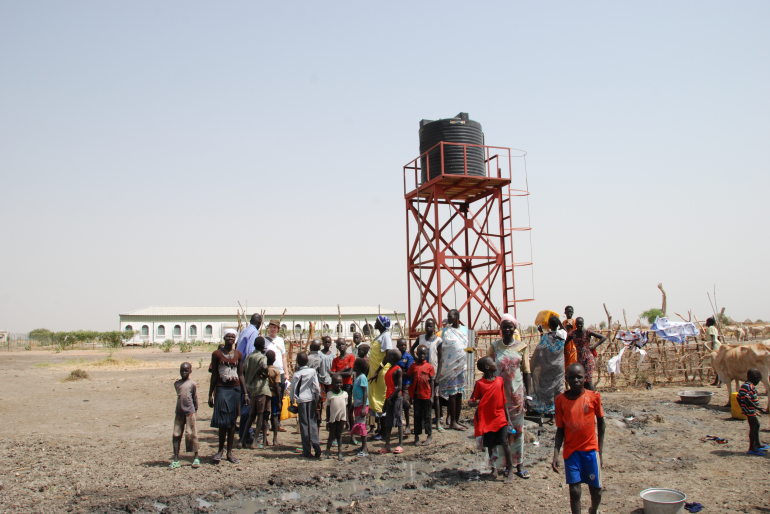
732	362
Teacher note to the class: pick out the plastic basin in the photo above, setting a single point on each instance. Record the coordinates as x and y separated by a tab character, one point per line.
696	397
658	500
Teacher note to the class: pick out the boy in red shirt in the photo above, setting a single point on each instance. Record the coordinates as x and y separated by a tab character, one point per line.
579	413
421	390
491	420
343	366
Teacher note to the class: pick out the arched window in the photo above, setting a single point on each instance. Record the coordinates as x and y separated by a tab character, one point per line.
353	328
367	329
161	330
145	330
177	330
397	327
298	328
283	326
193	330
326	326
207	330
129	327
339	328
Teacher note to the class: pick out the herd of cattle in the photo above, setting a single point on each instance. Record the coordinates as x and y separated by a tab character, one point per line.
743	333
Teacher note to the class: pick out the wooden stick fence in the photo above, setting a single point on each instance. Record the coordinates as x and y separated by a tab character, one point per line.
665	362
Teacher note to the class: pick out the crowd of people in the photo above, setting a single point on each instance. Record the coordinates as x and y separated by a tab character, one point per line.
369	390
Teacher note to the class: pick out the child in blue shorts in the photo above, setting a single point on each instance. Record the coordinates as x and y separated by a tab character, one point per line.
579	414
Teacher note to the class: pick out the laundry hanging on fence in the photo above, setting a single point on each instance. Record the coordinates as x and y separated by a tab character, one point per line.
613	366
637	337
674	331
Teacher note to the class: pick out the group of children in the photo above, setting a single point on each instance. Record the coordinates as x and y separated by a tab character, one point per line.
340	385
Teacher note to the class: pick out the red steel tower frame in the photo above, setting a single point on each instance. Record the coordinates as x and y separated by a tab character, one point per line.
459	232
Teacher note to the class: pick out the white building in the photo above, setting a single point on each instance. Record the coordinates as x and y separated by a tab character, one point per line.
156	325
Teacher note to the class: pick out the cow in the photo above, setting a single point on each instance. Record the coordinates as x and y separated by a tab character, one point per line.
756	331
732	362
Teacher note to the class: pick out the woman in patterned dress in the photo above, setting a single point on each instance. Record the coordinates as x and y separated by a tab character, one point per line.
586	353
512	358
547	368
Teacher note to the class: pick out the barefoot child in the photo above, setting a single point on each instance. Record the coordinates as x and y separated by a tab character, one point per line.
274	381
579	413
305	389
360	404
255	373
343	365
336	414
491	419
184	419
421	389
406	361
747	399
394	402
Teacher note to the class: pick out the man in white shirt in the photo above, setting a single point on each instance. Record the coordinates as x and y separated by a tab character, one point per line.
276	343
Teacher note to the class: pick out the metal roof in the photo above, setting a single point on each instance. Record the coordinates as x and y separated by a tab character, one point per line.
269	311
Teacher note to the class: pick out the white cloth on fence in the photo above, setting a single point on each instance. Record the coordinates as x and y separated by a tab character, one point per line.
674	331
613	366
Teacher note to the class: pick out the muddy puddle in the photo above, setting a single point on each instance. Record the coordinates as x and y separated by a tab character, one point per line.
336	491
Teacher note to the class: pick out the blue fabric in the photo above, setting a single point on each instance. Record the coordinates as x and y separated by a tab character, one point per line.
674	331
385	321
406	361
245	343
360	391
583	467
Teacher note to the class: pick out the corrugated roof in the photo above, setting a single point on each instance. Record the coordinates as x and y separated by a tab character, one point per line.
269	311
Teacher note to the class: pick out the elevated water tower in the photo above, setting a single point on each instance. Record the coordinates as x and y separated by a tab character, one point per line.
460	227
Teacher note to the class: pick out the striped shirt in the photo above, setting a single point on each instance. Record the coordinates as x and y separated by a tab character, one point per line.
747	399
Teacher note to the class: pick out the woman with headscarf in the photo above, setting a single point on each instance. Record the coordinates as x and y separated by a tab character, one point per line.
225	392
548	369
452	360
380	346
512	358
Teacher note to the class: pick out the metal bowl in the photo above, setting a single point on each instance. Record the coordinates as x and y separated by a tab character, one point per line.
658	500
696	397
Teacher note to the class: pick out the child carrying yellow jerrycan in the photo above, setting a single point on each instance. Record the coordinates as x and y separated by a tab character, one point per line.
285	413
735	407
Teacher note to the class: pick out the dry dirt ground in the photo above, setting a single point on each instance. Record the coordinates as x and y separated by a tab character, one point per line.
103	445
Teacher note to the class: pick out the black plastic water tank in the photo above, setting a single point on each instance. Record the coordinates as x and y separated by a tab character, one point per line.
459	129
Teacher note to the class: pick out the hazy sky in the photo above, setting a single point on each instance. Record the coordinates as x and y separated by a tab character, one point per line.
193	153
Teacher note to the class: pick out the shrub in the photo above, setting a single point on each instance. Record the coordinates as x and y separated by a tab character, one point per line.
651	314
78	374
166	345
185	347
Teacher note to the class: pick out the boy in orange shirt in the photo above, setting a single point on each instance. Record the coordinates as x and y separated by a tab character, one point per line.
579	413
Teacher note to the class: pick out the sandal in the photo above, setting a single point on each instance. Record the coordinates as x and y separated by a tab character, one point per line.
522	474
398	450
299	450
175	464
196	463
233	460
758	453
217	459
383	451
363	454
